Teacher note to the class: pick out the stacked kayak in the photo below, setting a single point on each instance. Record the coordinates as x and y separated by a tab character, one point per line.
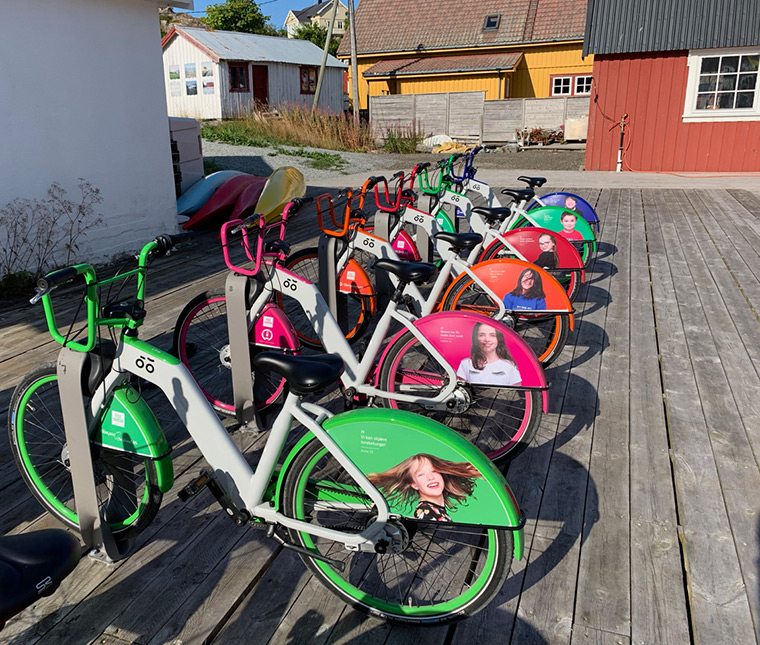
229	194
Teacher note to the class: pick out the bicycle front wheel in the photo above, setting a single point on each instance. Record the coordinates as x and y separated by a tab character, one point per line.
443	573
545	334
500	421
201	342
126	485
355	307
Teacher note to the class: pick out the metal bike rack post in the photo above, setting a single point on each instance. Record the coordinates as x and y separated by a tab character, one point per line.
328	249
422	239
236	289
93	528
383	284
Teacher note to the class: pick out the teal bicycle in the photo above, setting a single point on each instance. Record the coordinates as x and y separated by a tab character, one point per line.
392	511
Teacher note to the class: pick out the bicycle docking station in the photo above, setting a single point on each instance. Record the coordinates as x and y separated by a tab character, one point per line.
329	249
93	527
238	296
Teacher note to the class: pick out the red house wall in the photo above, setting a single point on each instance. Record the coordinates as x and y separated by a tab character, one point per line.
651	89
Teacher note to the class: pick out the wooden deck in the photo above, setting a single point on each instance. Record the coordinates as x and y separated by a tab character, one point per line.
642	490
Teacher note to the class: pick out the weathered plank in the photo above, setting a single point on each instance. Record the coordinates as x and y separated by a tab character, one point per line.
604	578
658	605
719	608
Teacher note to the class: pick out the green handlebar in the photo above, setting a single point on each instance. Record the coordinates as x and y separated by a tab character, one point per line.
48	284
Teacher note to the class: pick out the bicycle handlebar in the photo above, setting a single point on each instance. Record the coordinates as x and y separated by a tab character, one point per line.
47	284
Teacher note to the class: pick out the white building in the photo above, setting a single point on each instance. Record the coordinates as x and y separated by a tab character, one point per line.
83	98
318	14
223	74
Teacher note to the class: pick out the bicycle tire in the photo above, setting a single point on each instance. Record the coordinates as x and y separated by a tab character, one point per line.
584	250
545	334
570	280
501	422
305	263
444	574
38	443
201	342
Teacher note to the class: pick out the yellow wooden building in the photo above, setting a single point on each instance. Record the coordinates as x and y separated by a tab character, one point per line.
507	48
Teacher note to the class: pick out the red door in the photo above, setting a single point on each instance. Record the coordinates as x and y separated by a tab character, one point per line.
260	84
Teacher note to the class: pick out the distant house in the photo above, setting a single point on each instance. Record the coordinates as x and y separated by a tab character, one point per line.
224	74
89	103
687	75
318	14
507	48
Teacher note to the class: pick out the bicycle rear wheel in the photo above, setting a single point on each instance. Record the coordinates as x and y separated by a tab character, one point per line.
545	334
126	484
584	250
570	280
201	342
444	572
500	421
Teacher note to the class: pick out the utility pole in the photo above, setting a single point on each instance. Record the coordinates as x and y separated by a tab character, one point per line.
324	54
354	70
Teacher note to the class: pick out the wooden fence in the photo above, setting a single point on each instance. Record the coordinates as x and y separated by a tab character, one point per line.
468	117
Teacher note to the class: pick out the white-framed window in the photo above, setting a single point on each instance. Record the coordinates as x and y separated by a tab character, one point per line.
571	85
340	24
583	85
562	85
723	85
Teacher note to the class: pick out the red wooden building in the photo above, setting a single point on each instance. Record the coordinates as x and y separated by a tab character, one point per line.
686	74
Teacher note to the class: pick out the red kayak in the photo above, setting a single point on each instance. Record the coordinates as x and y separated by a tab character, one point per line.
220	205
246	202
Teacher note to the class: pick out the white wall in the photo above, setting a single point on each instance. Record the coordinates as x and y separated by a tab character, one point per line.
83	96
284	81
202	105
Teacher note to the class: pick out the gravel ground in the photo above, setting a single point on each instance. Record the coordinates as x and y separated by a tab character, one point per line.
262	161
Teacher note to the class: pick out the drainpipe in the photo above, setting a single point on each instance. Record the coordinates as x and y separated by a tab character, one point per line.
620	149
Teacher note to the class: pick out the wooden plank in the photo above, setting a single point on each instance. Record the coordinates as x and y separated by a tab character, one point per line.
212	602
583	635
603	601
717	597
569	494
262	611
725	385
658	605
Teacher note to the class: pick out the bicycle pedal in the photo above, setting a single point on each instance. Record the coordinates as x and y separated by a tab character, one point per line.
194	487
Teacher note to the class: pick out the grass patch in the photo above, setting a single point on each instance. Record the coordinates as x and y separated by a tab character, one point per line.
319	160
403	139
293	126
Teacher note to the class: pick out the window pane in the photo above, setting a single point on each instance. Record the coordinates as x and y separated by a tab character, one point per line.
710	65
561	85
745	99
747	81
729	64
727	82
705	101
750	63
708	83
725	100
583	84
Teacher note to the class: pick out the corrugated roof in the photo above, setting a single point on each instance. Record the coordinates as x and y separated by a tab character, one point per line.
235	45
628	26
398	25
314	10
444	64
